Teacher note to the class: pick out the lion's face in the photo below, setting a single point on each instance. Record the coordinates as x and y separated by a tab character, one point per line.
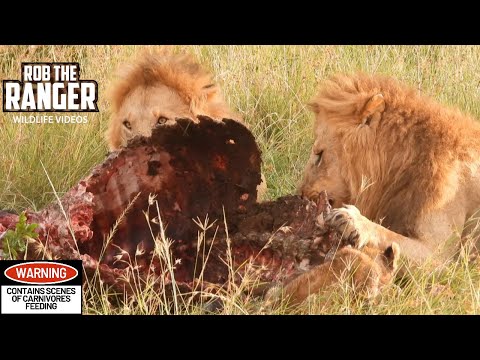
157	88
322	171
341	127
143	109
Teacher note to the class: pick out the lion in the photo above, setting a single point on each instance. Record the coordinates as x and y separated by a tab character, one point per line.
157	88
366	271
407	166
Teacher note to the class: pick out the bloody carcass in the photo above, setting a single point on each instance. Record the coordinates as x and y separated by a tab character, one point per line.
184	196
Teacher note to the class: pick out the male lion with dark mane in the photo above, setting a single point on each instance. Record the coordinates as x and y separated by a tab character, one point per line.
400	159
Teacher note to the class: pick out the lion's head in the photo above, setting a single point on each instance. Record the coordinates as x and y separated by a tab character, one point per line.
385	148
322	171
339	116
158	88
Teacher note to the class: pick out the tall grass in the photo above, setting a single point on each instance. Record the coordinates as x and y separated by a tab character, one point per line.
269	86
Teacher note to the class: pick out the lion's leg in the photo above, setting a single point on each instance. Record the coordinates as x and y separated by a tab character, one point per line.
310	282
360	231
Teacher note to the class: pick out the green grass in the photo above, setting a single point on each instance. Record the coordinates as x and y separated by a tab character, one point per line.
269	86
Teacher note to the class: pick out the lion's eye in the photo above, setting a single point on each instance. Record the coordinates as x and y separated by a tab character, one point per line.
162	120
127	124
318	159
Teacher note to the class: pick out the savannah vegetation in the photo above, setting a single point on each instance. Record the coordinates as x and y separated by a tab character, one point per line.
269	86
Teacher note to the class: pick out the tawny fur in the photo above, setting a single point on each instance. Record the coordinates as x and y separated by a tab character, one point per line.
178	73
158	87
402	158
366	272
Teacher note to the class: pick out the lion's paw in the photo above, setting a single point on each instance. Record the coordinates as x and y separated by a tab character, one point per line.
349	223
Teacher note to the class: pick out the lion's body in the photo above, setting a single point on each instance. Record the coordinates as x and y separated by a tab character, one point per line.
401	158
364	271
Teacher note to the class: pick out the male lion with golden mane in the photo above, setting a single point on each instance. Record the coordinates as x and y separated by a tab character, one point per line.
403	160
157	88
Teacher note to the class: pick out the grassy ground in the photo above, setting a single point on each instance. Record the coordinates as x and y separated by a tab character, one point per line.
269	86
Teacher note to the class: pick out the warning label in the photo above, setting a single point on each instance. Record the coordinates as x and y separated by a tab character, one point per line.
41	299
41	287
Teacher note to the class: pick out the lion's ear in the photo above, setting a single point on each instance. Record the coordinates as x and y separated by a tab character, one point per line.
373	109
